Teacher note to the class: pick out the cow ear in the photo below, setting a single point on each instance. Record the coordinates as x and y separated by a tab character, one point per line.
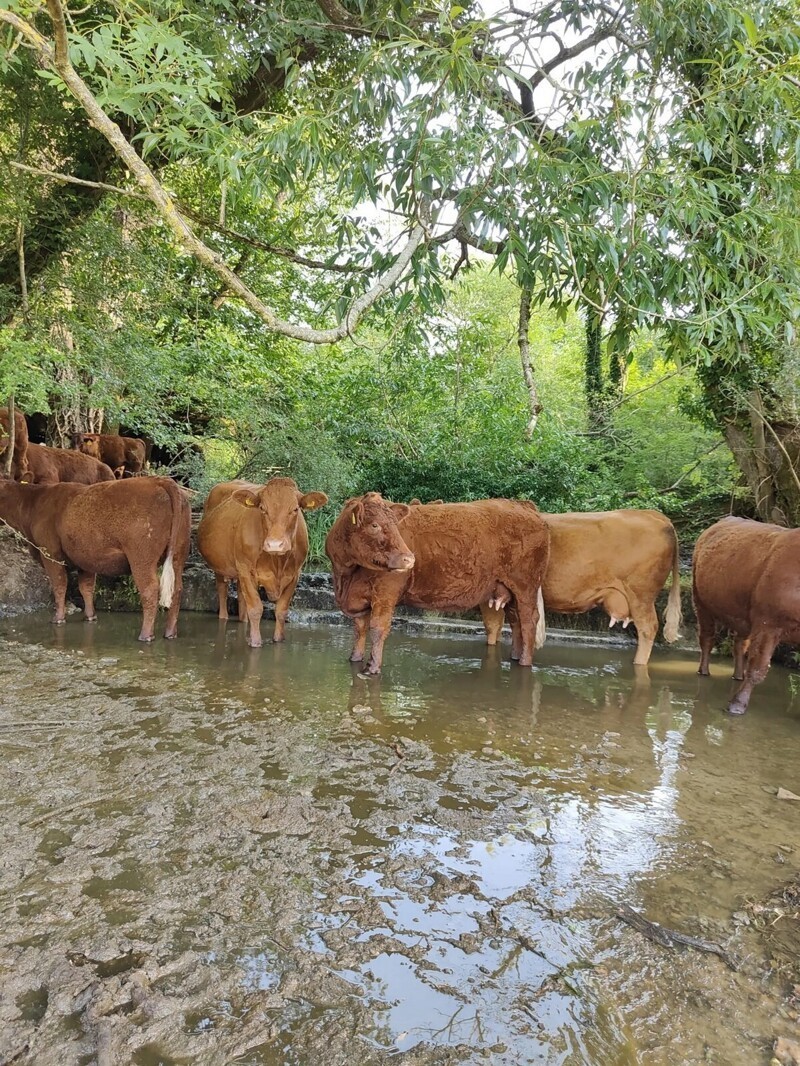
245	497
400	511
311	500
357	513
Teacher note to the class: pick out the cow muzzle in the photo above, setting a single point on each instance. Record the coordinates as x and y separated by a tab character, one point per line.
277	547
401	561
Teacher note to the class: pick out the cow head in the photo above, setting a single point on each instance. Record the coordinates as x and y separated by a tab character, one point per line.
89	444
280	504
369	525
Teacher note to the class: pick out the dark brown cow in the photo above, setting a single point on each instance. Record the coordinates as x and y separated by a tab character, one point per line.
257	535
444	556
617	560
19	463
117	527
49	466
124	455
746	577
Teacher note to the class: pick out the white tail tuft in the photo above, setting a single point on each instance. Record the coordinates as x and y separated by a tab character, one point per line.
541	629
167	587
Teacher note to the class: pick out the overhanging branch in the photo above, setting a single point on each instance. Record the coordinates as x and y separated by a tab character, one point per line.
57	59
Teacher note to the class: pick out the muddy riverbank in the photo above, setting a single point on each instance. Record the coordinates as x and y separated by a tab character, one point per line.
219	854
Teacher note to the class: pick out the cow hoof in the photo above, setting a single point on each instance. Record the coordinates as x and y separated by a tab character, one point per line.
59	621
736	708
368	675
356	658
704	673
92	619
254	644
145	640
170	636
278	640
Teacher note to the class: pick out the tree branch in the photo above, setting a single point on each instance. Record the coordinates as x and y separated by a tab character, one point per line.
58	60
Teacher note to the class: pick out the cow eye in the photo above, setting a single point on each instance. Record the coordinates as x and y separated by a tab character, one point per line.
374	527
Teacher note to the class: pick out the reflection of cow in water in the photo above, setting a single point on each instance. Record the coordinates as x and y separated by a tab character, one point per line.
617	560
746	577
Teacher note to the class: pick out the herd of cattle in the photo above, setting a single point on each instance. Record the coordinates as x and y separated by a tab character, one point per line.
83	508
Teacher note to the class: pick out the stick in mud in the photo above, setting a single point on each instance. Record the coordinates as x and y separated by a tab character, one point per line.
670	938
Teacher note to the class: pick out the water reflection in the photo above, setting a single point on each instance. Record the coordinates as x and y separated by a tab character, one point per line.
428	860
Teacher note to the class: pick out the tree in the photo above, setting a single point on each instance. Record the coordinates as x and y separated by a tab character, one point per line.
586	147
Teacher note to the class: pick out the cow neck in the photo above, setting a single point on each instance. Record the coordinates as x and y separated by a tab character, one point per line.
16	505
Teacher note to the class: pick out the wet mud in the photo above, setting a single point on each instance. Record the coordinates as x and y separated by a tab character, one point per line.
217	854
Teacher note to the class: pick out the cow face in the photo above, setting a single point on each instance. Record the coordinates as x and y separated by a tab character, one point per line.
89	445
280	504
372	533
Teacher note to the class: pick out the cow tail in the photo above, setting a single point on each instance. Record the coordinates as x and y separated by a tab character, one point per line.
541	629
672	615
167	583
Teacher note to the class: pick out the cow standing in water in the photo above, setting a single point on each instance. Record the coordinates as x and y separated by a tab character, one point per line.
746	578
449	557
617	560
257	535
112	528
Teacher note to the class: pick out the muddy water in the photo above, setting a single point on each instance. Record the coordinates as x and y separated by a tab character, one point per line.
214	854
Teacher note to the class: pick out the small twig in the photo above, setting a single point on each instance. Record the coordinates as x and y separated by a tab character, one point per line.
400	756
670	938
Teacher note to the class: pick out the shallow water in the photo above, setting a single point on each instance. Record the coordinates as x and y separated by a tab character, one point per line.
221	854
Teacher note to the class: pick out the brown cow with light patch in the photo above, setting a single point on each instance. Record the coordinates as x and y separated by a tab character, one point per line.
746	578
617	560
117	527
19	462
50	466
123	455
257	535
444	556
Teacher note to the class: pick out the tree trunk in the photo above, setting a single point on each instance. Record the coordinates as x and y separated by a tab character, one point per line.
523	340
594	383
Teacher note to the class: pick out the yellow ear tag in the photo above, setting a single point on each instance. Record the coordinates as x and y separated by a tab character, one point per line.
353	516
248	502
310	506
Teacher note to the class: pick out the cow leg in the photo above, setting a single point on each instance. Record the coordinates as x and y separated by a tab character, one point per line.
222	595
528	614
282	611
86	587
645	619
740	648
57	576
706	635
493	622
240	600
145	578
248	595
516	631
758	658
380	623
361	628
171	627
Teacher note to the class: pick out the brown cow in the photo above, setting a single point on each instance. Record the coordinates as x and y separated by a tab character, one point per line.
617	560
123	455
257	534
117	527
19	462
746	577
447	556
49	466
